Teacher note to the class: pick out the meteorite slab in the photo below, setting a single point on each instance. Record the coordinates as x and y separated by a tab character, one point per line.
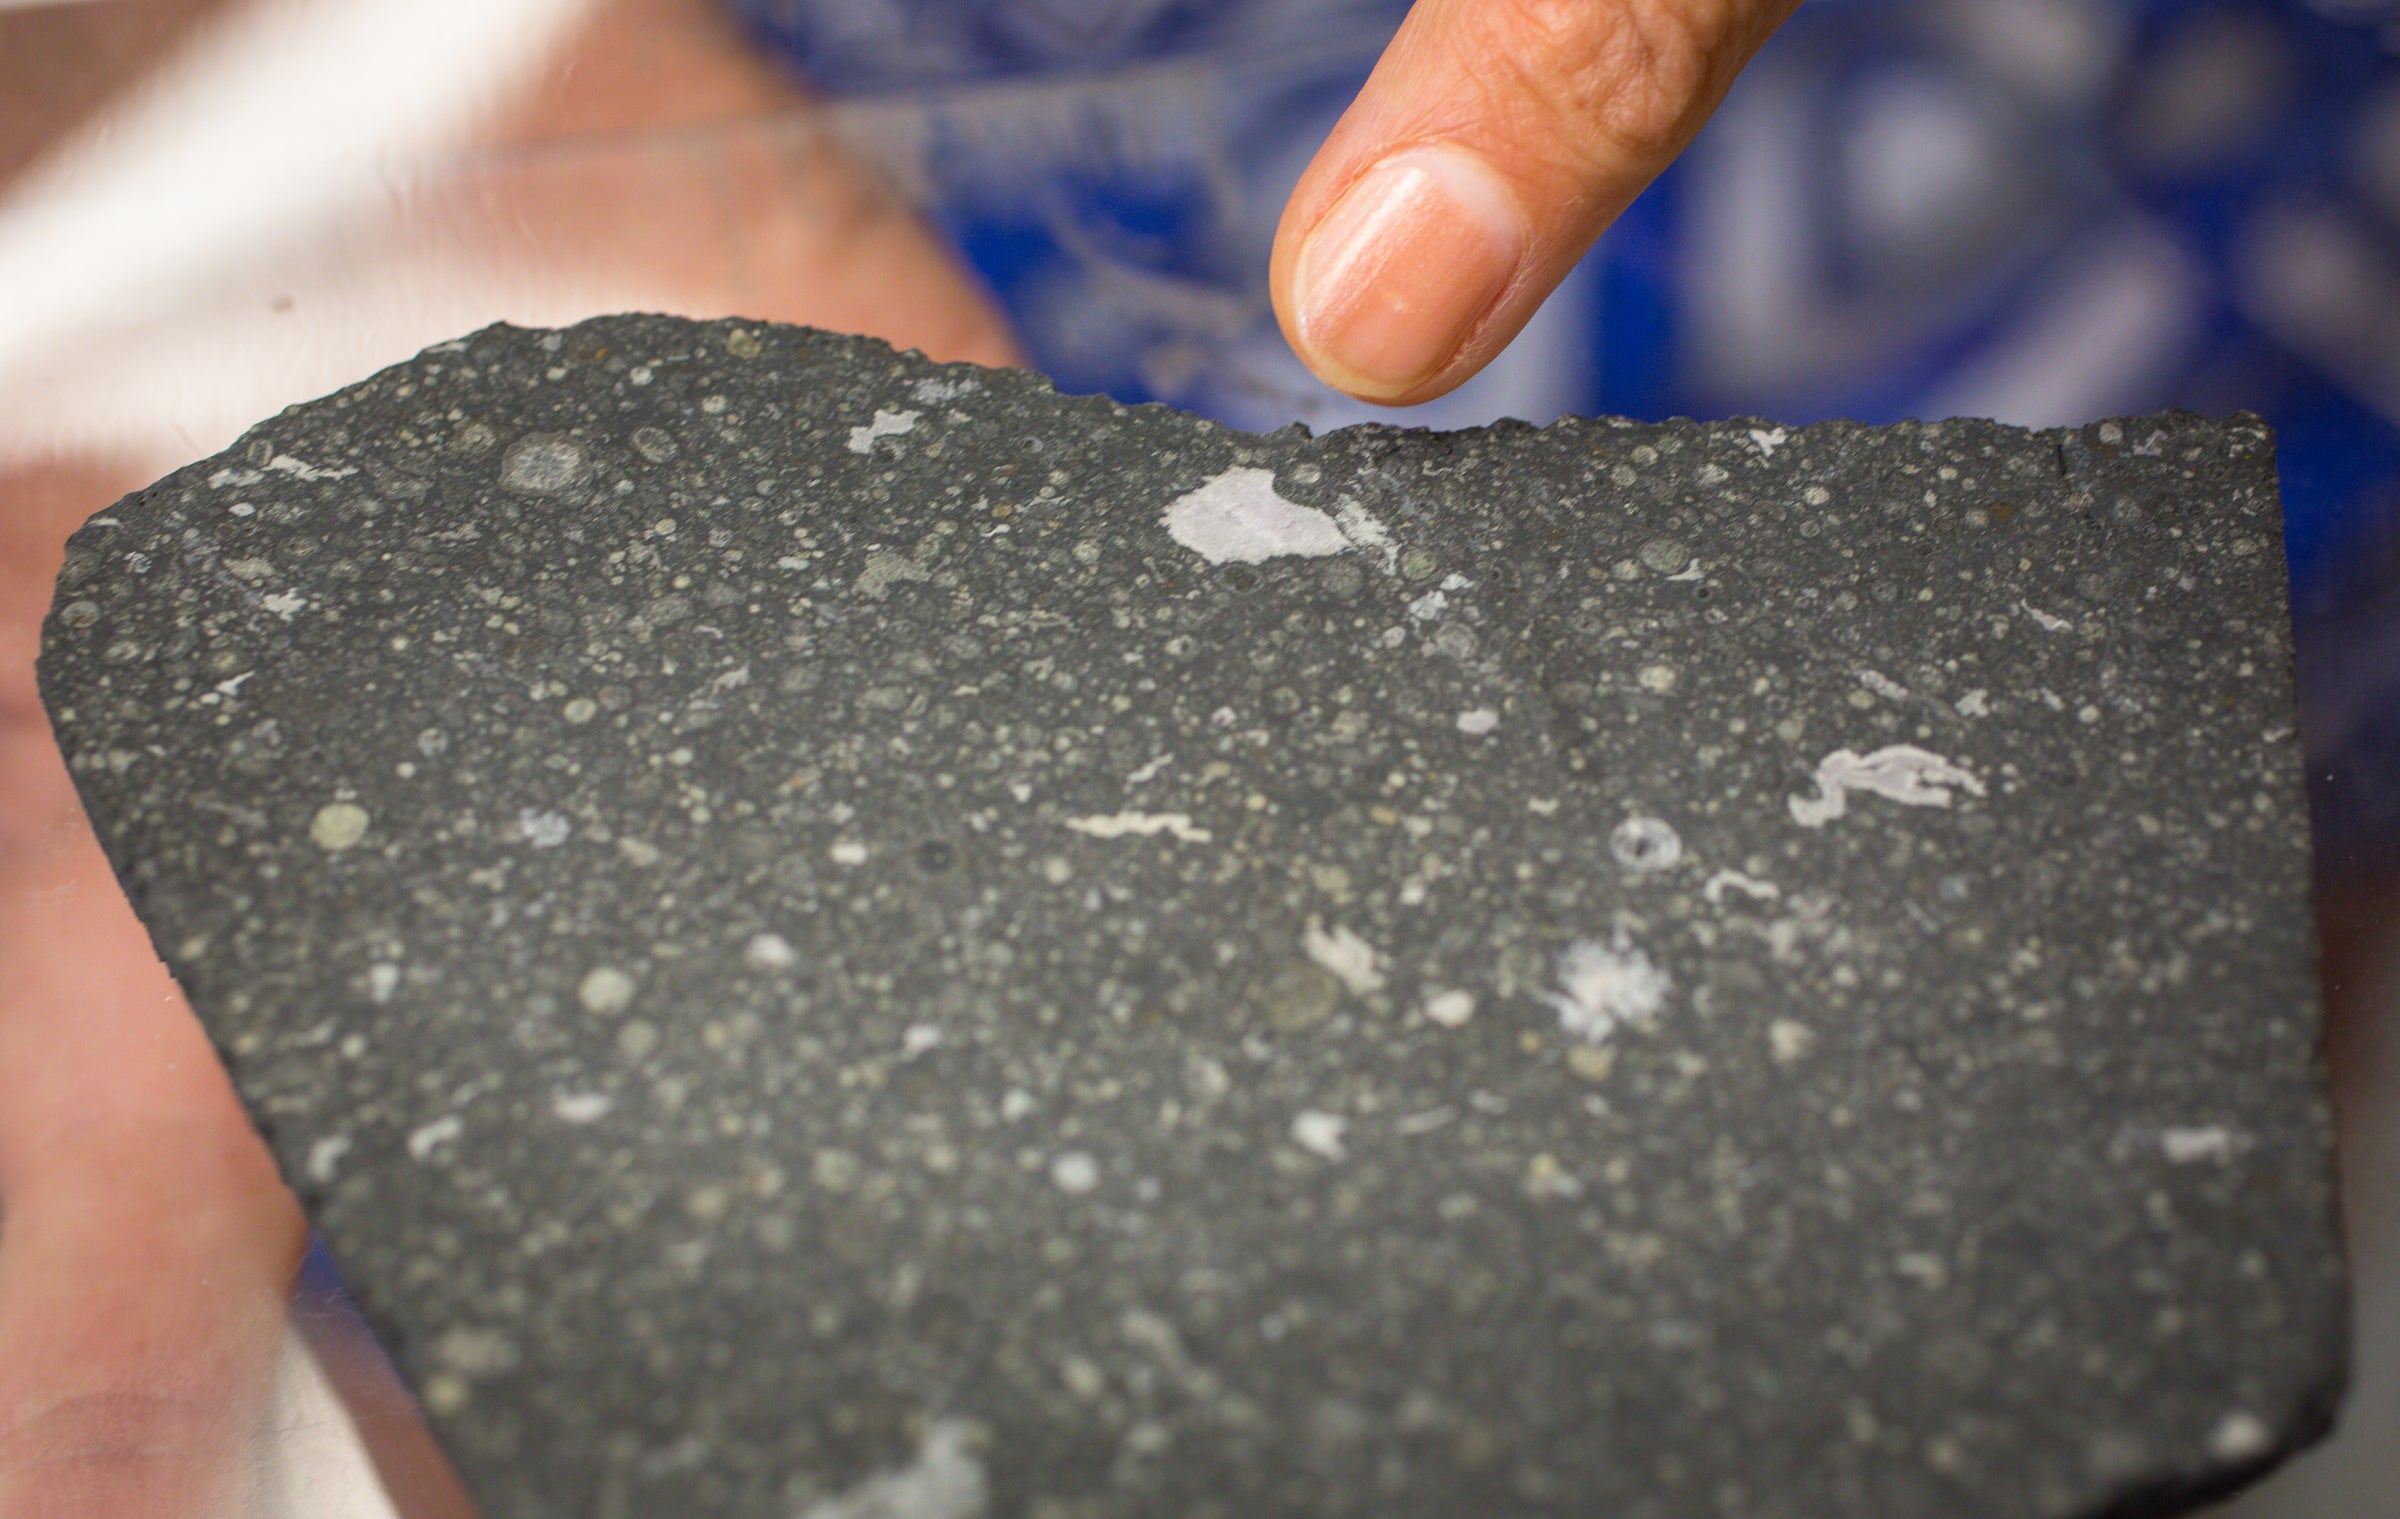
829	936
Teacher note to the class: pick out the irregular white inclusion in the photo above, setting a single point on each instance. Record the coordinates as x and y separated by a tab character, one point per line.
1352	959
945	1481
1238	519
887	424
1176	825
1904	773
1604	986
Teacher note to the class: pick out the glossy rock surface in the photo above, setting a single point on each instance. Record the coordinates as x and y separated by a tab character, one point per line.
829	937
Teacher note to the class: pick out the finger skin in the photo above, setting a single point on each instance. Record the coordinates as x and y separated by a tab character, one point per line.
1574	106
147	1248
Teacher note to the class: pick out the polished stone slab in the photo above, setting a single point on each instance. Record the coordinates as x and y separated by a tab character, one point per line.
832	937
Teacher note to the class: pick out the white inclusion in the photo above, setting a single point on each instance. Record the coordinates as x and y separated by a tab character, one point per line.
770	952
1351	958
1764	891
935	392
1450	1009
1142	825
299	469
887	424
1320	1134
945	1481
1238	519
1903	773
1075	1172
1768	440
1479	721
2240	1436
1365	532
2183	1147
544	830
325	1156
284	604
581	1107
1602	987
2046	621
1883	685
424	1141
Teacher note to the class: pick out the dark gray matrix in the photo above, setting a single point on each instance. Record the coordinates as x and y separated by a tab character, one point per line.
833	937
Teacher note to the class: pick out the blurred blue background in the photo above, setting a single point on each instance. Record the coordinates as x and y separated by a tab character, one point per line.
2044	211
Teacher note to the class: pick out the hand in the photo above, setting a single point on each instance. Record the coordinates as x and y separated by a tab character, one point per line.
1494	142
147	1245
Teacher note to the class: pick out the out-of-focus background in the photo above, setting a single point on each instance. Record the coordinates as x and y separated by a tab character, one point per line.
2044	211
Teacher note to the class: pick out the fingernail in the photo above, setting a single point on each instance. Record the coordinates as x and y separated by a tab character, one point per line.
1393	278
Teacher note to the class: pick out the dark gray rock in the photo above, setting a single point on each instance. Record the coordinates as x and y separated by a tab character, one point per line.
827	936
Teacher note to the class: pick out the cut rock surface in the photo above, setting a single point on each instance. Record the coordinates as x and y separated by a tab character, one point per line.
825	935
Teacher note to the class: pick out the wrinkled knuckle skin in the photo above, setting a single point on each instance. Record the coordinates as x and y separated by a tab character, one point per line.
106	1455
1608	79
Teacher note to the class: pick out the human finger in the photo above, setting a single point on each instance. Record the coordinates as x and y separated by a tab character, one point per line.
147	1246
1495	140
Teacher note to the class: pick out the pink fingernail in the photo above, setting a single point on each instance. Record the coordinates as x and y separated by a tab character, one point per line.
1394	278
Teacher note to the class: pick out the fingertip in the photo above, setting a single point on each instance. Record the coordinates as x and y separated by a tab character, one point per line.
1384	292
1488	150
